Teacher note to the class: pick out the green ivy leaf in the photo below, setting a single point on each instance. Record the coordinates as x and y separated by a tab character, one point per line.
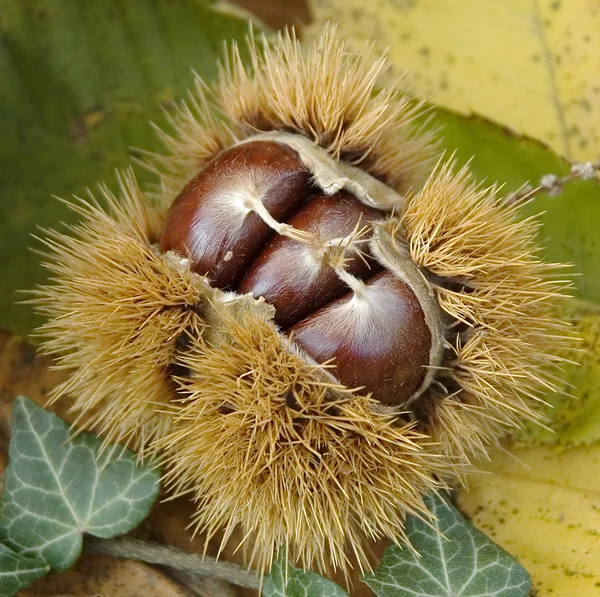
286	581
451	558
81	80
58	488
16	571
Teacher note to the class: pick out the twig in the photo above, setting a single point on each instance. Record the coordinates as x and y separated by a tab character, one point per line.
553	184
163	555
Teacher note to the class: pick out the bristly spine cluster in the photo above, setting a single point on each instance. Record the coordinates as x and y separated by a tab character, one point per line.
115	312
271	444
505	341
274	450
324	92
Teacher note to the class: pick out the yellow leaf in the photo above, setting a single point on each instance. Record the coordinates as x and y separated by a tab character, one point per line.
533	65
543	506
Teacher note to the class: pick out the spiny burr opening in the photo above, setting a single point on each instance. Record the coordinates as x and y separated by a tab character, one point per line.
257	220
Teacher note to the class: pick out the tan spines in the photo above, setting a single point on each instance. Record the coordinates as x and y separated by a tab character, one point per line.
463	432
265	442
116	310
199	133
487	276
324	92
327	93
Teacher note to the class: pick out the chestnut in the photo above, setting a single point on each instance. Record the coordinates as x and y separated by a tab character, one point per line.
376	336
296	277
212	221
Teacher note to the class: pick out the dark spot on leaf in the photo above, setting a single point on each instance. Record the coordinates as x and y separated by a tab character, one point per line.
84	123
585	104
27	354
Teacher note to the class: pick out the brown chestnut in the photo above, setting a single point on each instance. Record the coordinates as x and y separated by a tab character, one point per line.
212	221
377	337
295	277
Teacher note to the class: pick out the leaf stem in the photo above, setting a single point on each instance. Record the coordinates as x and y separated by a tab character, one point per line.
163	555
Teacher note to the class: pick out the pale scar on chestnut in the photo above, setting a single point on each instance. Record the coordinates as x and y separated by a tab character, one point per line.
254	221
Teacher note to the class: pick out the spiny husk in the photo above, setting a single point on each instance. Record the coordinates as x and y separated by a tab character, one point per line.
488	277
116	310
264	439
269	443
324	92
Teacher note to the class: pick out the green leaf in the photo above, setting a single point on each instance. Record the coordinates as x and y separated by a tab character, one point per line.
451	558
16	571
58	488
286	581
81	80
